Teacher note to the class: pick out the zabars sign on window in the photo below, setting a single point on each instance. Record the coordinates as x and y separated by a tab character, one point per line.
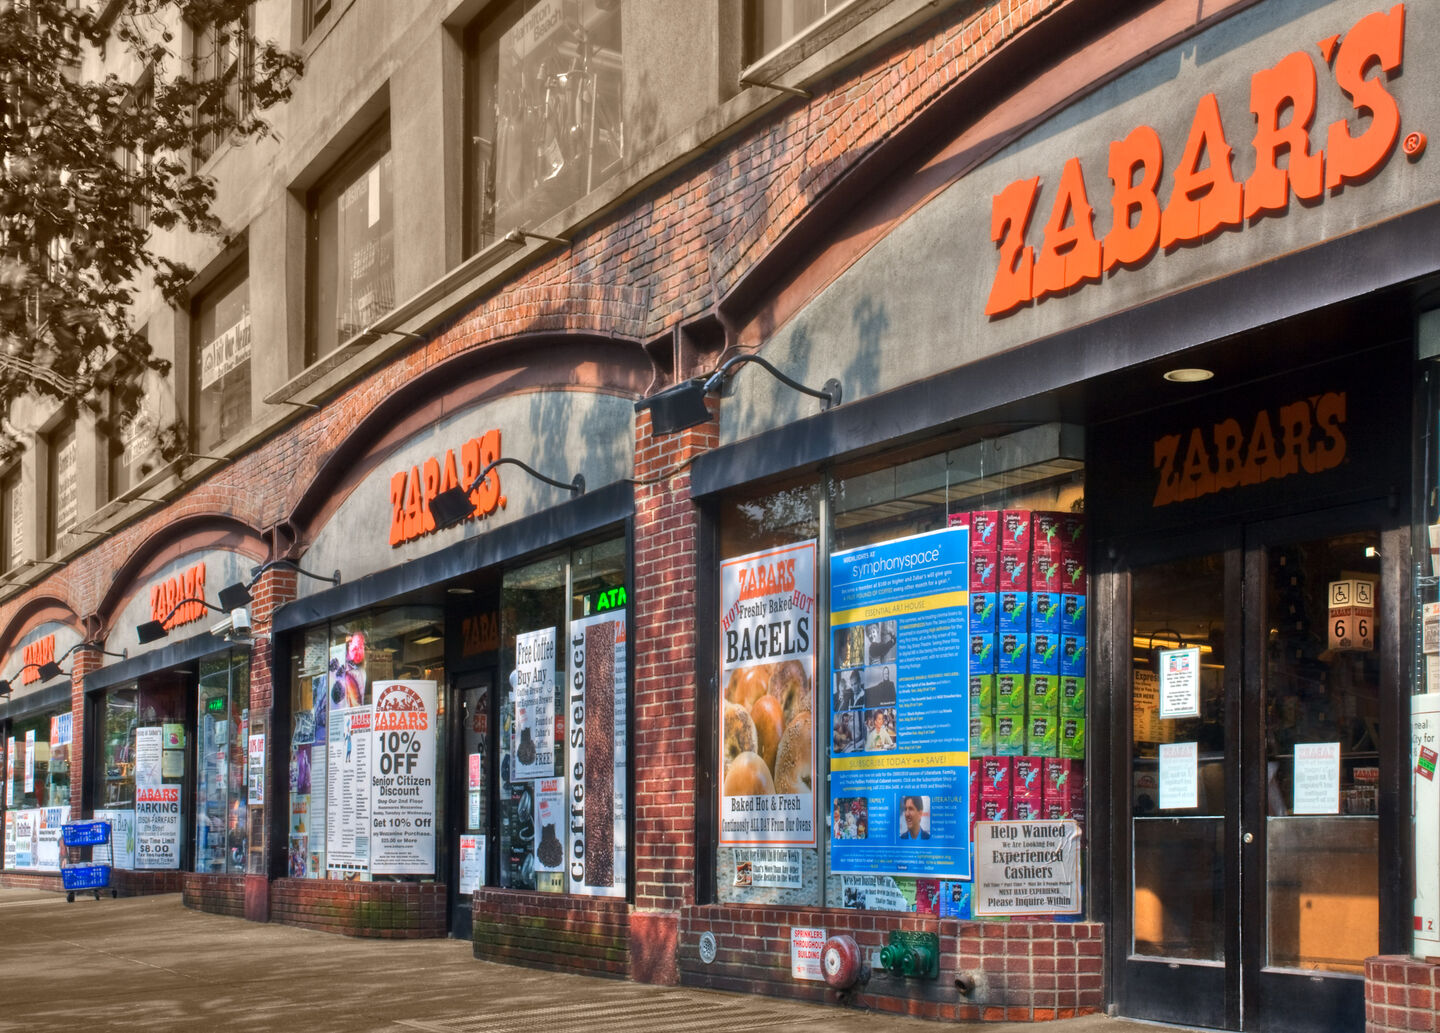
1205	197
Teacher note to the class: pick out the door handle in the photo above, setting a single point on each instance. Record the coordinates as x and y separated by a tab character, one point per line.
1249	837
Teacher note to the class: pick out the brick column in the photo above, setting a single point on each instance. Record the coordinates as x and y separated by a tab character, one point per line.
665	696
83	662
275	587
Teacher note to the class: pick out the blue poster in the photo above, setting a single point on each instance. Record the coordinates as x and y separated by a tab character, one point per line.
899	707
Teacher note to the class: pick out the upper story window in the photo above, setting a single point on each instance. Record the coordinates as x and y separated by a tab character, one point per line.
134	159
220	363
351	254
130	447
12	521
222	55
773	23
315	12
62	483
543	120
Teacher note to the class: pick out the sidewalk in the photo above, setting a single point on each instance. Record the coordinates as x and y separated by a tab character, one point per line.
148	963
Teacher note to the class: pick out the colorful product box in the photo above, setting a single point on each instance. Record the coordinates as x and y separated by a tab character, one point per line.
955	899
1073	655
1056	811
1072	696
1044	654
983	570
1045	573
1072	574
1014	653
1009	736
1063	778
1014	572
1072	614
994	810
1027	810
1074	539
982	613
982	734
1012	612
1045	612
1043	695
997	776
982	694
1047	533
982	654
1072	738
1042	735
1028	778
985	531
1010	692
1015	527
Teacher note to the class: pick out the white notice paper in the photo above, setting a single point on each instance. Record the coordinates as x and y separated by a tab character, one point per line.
1180	683
1317	778
806	946
1179	776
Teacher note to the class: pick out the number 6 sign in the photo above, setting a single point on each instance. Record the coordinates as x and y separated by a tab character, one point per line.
1352	616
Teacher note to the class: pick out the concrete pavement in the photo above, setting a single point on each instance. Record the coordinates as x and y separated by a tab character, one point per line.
150	964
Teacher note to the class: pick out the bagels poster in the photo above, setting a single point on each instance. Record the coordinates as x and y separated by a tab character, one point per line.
767	668
899	713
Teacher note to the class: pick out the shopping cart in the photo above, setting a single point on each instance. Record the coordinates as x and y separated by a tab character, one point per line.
77	871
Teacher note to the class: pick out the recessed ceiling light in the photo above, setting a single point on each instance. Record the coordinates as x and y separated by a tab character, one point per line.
460	591
1188	376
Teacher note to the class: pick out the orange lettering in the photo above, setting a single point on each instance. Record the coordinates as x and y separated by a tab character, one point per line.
1295	439
1228	439
397	509
1329	414
1136	227
1009	218
487	496
1069	254
1290	84
1168	490
1261	463
432	488
1375	39
1197	477
413	513
1202	200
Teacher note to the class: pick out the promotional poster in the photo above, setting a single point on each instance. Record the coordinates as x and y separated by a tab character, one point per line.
533	733
899	727
767	666
596	751
402	778
347	805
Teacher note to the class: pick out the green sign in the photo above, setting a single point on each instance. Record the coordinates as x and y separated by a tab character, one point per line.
216	705
608	599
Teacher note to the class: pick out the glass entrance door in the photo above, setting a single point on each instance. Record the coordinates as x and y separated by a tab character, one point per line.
1255	745
472	804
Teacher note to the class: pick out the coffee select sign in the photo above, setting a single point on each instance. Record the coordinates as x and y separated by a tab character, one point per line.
1205	197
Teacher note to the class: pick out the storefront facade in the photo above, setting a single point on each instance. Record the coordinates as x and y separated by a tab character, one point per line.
1065	663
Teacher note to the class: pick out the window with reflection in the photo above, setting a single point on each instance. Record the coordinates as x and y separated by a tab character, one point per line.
544	121
62	493
773	23
220	386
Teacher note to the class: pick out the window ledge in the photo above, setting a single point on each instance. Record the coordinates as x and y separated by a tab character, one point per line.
860	25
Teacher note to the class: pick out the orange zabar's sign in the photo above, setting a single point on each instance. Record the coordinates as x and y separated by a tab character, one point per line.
1304	437
37	653
1206	199
411	490
166	596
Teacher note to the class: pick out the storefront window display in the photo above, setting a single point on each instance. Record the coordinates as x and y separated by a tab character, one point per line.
37	790
564	724
917	605
366	746
141	787
222	727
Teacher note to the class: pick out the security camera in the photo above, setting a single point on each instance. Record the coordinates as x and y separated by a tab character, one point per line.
234	625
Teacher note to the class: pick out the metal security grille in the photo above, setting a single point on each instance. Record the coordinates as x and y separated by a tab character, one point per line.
663	1012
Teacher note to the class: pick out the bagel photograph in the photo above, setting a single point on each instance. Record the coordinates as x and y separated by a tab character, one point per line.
766	730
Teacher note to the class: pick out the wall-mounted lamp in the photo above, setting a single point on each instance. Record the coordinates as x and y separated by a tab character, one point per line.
235	625
51	668
683	406
452	507
236	595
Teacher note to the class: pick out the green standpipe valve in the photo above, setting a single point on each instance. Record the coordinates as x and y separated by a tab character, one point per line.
891	957
912	954
918	960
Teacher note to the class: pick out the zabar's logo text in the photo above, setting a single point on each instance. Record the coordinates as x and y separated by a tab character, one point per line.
1205	196
179	600
1302	437
37	654
412	490
480	633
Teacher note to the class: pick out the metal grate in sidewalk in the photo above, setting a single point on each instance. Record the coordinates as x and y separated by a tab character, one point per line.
669	1012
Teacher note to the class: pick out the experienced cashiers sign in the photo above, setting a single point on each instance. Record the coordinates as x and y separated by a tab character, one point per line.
1205	197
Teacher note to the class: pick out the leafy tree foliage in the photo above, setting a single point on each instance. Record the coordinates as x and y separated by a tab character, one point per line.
90	166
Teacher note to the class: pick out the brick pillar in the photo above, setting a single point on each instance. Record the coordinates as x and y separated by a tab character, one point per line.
275	587
83	662
665	696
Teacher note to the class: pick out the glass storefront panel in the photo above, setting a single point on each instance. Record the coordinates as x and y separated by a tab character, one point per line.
37	789
223	719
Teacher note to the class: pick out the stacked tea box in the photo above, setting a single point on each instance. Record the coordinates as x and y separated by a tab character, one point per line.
1027	789
1027	634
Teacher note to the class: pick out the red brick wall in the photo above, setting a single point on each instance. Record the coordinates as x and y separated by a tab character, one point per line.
543	930
31	881
216	894
386	910
1028	971
1400	994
